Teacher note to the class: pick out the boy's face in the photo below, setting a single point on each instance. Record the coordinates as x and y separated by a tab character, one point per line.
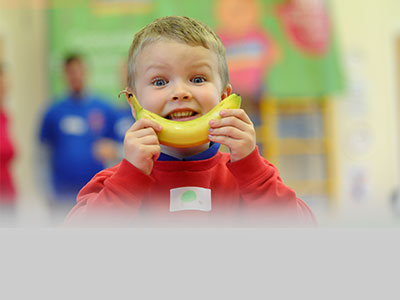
178	81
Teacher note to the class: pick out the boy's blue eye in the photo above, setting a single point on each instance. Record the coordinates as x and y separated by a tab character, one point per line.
198	79
159	82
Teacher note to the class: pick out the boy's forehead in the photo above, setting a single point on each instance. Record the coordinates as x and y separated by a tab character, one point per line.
192	65
161	51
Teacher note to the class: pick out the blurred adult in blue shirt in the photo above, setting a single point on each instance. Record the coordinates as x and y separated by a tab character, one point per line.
79	130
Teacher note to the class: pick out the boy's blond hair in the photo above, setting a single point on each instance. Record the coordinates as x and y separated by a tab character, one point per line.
181	29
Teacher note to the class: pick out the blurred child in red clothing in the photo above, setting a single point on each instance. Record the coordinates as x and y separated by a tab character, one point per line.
7	189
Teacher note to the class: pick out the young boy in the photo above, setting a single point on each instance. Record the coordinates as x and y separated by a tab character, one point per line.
177	69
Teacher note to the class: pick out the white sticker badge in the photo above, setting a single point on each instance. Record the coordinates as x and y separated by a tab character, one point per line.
190	198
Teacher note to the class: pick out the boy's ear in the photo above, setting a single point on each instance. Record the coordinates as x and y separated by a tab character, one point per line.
227	91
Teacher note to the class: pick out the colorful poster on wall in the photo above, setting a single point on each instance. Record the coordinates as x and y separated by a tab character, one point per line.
310	64
250	48
281	48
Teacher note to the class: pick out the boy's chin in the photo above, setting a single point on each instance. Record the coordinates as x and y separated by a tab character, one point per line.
184	152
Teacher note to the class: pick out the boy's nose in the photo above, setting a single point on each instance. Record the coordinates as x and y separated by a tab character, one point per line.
181	97
181	94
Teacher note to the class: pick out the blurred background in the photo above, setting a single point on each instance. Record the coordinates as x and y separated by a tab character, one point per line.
319	78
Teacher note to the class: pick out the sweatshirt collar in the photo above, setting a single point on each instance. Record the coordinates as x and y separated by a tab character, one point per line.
208	153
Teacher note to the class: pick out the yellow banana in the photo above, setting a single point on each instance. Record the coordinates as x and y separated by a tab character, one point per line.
187	133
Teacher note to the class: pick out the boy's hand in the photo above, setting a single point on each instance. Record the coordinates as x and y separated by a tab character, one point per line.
141	145
236	131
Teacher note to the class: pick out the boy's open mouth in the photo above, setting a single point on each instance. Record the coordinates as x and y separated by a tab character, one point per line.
182	115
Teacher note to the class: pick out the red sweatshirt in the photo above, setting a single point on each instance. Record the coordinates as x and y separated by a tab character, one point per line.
181	193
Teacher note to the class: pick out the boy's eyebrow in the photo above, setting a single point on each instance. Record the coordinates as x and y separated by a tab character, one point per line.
201	64
156	66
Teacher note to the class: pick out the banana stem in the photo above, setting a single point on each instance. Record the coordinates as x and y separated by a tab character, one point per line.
131	98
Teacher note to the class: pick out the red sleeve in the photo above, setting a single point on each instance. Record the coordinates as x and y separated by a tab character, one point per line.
265	195
114	194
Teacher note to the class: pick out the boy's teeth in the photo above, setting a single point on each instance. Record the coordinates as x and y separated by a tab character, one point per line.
181	114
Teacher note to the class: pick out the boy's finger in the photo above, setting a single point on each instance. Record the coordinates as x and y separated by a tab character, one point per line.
230	121
227	131
238	113
144	132
149	140
154	151
223	140
145	123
